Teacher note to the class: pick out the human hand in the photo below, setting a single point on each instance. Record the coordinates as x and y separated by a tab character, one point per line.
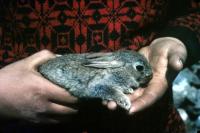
166	56
25	94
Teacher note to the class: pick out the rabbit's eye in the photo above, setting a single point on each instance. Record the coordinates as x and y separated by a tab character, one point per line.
139	66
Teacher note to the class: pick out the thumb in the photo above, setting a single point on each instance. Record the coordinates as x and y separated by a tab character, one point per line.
176	60
39	58
177	57
176	63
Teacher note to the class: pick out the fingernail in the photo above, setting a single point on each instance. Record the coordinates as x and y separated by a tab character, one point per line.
58	55
180	62
112	105
132	109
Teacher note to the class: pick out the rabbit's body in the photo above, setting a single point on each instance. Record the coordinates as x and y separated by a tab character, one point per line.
108	76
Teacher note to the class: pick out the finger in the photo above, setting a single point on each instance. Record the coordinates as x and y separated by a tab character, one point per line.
112	105
39	58
56	109
154	91
176	63
61	96
137	93
57	94
104	102
44	120
49	121
177	56
146	100
145	52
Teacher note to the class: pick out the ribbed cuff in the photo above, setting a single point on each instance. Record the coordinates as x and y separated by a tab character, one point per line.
189	39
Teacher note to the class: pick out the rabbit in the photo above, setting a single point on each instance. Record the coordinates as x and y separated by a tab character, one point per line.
108	76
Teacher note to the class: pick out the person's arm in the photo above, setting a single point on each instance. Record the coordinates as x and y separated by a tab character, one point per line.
187	30
25	94
176	46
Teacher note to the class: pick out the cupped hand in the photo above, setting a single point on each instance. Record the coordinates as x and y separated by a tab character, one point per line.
166	56
25	94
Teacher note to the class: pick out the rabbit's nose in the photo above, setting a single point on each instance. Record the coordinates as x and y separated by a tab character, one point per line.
149	74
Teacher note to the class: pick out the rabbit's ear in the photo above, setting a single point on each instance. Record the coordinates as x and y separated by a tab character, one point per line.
102	60
104	64
97	55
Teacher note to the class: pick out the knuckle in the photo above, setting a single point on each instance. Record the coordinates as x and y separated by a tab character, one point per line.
143	102
39	93
39	101
41	108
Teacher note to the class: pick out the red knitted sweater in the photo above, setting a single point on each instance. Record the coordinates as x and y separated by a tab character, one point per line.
66	26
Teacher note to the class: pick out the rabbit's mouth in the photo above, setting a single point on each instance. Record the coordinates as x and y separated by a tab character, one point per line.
144	80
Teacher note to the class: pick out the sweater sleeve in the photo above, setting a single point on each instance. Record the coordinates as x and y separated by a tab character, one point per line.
186	29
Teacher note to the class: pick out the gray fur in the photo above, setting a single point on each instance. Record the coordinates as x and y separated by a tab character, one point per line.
108	76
